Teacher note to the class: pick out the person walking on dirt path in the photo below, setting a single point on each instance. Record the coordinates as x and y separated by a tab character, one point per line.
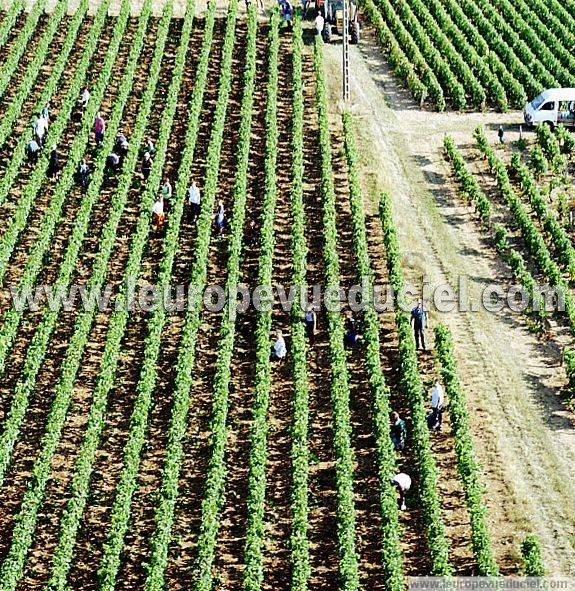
84	97
99	129
158	216
279	349
437	406
500	134
419	321
46	114
54	164
319	24
146	165
32	151
398	431
194	201
402	483
310	323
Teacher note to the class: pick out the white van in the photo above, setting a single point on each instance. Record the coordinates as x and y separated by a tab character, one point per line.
554	106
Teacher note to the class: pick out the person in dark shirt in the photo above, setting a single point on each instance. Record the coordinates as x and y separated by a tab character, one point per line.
419	321
54	165
310	323
352	336
83	173
398	431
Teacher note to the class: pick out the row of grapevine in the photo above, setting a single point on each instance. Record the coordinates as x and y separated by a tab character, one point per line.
387	467
514	89
402	65
532	559
534	77
472	191
33	70
21	42
122	506
59	123
165	512
533	239
558	240
411	381
299	541
51	218
33	498
96	417
255	530
348	559
556	40
477	63
467	465
557	17
10	20
37	349
409	44
431	34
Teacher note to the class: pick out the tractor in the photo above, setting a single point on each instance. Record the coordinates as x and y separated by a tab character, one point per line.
332	12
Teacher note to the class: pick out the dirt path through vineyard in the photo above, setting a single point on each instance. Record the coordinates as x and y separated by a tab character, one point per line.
525	437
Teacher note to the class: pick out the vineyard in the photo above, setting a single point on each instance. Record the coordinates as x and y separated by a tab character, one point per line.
159	445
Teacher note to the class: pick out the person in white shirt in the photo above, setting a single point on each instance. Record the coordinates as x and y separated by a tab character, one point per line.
40	126
279	349
85	97
437	406
319	23
402	483
158	213
194	199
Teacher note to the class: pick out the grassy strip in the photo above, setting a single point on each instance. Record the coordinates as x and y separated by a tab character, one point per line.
411	381
467	464
387	467
348	559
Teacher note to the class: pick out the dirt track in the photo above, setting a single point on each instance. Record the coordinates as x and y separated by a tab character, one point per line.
525	438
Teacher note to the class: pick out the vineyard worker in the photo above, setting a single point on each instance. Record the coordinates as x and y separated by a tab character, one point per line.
319	23
352	336
149	147
32	151
40	127
54	164
437	407
220	217
121	146
418	320
194	199
112	163
166	189
146	165
158	216
84	97
398	431
279	349
99	129
83	173
46	114
402	483
250	237
500	134
310	323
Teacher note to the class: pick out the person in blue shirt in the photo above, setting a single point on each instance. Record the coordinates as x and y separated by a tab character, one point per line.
419	322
